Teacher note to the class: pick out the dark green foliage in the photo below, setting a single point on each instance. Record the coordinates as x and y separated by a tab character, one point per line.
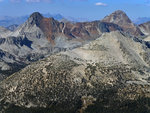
15	68
104	106
107	102
140	105
55	108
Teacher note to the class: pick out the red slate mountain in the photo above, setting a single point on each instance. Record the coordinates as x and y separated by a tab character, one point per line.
120	18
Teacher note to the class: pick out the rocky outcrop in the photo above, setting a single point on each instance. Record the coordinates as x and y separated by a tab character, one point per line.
4	32
12	27
145	28
35	18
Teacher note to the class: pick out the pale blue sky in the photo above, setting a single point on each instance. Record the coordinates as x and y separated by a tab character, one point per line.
91	9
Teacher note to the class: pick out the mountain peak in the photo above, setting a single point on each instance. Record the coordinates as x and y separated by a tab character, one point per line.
119	12
36	15
35	18
117	17
120	18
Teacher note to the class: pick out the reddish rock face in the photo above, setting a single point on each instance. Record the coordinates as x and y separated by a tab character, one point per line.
82	31
88	30
50	27
121	19
53	28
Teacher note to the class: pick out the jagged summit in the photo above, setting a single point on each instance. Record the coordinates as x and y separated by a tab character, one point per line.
119	11
36	18
36	14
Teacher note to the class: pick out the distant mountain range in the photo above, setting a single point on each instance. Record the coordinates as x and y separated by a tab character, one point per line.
7	21
141	20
